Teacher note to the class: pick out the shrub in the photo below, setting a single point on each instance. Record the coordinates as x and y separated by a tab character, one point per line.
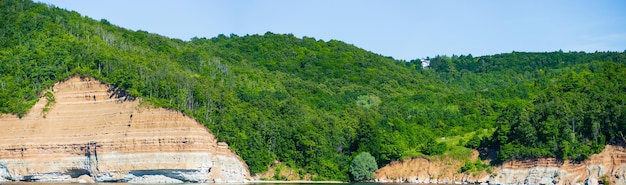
363	167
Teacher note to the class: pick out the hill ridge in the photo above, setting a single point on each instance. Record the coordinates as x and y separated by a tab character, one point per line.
313	105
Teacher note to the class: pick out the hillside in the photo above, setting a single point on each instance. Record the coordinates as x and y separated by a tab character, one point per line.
314	104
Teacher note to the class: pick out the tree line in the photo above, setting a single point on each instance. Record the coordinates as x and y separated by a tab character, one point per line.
313	104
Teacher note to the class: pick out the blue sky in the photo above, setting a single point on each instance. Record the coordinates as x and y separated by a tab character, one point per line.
403	29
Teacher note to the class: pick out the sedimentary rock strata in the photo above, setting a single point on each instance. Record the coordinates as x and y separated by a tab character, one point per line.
609	165
442	170
94	132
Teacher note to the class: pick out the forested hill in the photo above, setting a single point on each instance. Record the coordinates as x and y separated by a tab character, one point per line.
315	104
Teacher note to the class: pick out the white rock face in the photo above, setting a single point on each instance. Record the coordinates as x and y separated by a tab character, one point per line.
49	177
4	173
591	181
154	179
535	175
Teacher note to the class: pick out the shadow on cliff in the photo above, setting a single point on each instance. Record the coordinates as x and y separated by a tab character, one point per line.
121	95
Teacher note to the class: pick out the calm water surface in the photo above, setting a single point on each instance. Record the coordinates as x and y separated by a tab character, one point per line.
64	183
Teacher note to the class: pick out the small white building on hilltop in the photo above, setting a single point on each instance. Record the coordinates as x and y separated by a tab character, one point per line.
425	63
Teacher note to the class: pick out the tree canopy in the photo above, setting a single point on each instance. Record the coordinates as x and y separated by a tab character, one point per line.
313	104
363	167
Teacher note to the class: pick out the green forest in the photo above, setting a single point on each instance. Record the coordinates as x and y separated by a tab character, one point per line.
314	105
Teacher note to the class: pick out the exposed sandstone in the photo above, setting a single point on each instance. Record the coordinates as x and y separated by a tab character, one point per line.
94	131
429	171
609	164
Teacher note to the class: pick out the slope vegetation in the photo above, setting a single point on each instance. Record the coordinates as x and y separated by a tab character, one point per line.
314	104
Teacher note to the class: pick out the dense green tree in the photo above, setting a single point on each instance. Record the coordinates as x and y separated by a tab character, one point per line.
362	167
474	142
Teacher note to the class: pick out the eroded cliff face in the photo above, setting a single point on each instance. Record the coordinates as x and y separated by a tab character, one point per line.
442	170
610	164
94	133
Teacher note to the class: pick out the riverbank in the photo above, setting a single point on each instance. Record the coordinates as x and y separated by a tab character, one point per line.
294	181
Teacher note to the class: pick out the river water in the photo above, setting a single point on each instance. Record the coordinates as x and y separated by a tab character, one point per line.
286	183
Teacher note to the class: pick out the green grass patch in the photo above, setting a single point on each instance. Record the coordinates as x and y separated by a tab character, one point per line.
460	140
51	101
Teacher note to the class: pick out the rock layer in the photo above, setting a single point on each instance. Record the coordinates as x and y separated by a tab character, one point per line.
609	165
94	130
441	170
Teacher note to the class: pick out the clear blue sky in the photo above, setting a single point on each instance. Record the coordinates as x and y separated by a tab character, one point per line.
403	29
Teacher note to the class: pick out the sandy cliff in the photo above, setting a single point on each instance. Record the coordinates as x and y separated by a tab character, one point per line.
94	133
610	164
421	170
